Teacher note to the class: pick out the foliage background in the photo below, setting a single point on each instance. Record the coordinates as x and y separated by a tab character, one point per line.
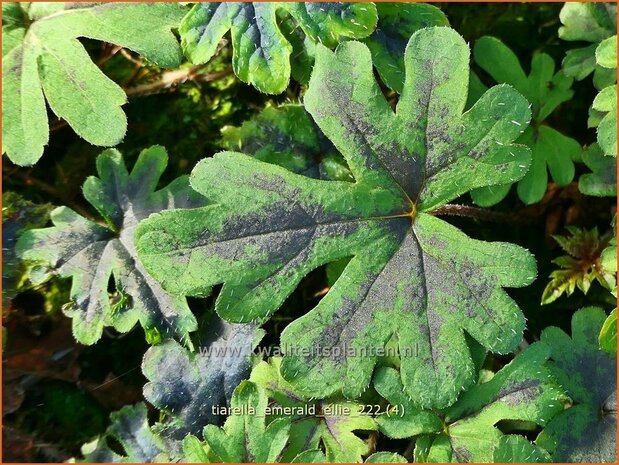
58	394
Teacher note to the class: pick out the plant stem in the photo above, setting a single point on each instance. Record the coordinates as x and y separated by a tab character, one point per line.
174	78
480	214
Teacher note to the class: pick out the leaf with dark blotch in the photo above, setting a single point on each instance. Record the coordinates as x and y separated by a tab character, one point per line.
332	425
129	426
588	22
92	254
552	152
467	431
42	60
188	386
411	274
602	181
261	52
587	431
397	22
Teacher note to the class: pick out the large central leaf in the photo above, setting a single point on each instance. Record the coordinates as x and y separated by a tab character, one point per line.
411	274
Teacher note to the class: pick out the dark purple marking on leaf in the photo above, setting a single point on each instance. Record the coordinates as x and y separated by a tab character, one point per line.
189	385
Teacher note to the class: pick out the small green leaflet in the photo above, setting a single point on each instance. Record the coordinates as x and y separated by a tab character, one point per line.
332	426
588	22
602	181
397	22
188	385
412	274
91	253
467	432
551	150
42	61
604	116
608	333
245	437
261	55
587	431
606	53
129	427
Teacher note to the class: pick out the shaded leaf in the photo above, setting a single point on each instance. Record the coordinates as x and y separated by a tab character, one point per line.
46	62
284	136
602	182
581	267
397	22
587	431
579	62
129	426
551	151
91	253
189	386
411	274
18	215
261	50
466	432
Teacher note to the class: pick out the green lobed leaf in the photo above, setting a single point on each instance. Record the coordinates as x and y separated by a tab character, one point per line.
246	436
43	61
517	449
330	424
579	62
602	181
587	431
189	386
385	457
590	22
608	333
467	431
412	274
605	104
606	53
129	427
92	254
551	151
397	22
261	50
